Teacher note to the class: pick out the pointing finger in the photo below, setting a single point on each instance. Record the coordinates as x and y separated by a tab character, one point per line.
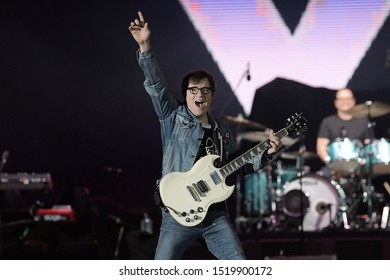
141	16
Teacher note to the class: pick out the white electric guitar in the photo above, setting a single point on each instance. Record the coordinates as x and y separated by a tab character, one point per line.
188	195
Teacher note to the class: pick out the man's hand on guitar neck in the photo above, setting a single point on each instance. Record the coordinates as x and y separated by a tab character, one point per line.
275	142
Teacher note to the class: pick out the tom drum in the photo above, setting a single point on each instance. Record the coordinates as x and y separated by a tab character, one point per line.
345	155
379	152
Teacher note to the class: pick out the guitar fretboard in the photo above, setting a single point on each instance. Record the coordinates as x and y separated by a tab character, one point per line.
246	157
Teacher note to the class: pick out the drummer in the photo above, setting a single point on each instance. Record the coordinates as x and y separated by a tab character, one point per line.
341	125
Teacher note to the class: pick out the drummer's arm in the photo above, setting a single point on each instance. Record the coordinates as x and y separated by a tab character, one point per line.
321	147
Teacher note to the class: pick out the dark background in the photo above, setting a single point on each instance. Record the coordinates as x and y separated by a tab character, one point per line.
73	103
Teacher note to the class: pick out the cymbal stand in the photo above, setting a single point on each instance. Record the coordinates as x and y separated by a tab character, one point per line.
367	186
239	219
3	161
300	166
273	219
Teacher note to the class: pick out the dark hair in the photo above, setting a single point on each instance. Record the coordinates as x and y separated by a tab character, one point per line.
196	76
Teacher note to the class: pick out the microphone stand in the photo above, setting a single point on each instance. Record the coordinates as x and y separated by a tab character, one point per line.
246	75
329	209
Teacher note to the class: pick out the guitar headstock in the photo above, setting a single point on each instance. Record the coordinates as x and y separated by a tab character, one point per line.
297	124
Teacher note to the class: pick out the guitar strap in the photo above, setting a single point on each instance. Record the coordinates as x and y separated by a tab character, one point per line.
221	144
157	197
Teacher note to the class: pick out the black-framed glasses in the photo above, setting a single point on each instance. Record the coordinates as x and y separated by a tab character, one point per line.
203	90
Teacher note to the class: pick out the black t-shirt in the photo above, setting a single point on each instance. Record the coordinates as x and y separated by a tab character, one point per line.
332	127
207	146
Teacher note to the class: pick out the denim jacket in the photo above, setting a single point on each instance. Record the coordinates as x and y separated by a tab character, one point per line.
181	131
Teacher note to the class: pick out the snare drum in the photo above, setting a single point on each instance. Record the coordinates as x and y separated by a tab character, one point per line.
379	151
345	155
317	198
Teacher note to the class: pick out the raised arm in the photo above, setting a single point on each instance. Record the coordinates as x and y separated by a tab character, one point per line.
139	28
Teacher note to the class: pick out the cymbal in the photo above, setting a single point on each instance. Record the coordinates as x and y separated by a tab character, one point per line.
295	155
240	120
259	136
369	108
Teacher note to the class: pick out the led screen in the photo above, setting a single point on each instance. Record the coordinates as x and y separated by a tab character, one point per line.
323	49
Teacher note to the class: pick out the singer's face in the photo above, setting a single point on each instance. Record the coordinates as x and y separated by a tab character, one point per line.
199	103
344	100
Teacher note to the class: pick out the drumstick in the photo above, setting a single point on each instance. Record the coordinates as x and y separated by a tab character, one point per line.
387	187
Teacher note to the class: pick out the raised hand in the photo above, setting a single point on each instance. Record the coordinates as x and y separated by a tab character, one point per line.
141	32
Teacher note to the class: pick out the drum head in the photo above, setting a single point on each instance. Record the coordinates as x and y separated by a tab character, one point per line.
378	153
345	155
295	203
321	200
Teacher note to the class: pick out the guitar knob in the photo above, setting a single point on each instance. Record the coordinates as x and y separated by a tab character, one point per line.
192	211
200	209
196	217
188	220
183	214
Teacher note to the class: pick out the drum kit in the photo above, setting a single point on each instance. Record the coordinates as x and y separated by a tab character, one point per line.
291	197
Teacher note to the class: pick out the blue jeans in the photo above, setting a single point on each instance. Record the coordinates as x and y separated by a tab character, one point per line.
217	231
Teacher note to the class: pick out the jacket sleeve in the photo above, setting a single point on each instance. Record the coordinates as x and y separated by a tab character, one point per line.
155	85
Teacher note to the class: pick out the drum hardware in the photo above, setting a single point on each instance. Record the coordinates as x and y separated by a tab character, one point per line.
304	205
295	155
241	121
370	109
344	217
367	209
387	187
239	217
385	217
271	191
258	136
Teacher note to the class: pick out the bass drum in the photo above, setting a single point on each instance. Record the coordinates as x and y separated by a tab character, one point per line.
319	200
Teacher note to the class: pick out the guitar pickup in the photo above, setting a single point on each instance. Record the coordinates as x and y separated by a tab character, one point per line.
215	177
194	195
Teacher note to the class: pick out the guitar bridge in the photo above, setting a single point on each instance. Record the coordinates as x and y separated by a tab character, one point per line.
202	187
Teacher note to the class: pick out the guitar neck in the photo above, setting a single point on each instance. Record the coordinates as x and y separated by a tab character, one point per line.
246	157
